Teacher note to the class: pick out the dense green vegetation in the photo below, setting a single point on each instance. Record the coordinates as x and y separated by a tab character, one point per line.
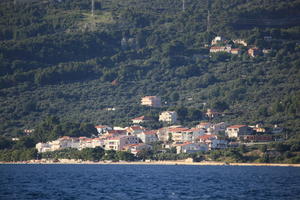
58	60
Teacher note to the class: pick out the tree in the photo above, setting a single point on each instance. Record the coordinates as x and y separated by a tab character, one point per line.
124	155
144	154
5	143
25	143
110	155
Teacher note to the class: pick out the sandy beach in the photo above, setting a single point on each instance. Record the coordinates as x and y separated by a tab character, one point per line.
175	162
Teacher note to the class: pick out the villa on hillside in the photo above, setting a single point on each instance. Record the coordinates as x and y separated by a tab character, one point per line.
118	143
152	101
148	136
236	131
140	119
168	116
189	147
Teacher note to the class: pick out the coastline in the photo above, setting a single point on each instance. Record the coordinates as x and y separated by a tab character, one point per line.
175	162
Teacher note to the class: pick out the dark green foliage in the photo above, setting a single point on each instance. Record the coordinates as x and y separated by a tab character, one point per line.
18	155
51	128
54	61
5	143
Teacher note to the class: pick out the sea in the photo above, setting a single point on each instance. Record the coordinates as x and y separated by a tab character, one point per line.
129	182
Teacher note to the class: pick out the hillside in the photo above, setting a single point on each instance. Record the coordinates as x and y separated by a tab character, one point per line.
57	59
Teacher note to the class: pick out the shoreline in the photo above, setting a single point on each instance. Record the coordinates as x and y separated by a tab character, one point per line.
179	162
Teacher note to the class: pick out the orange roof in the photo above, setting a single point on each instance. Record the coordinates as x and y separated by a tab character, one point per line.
142	118
207	137
101	126
134	128
115	131
204	123
152	132
65	138
179	129
237	126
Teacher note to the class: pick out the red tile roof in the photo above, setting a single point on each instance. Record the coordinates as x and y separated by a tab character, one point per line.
184	144
179	129
207	137
101	126
152	132
237	126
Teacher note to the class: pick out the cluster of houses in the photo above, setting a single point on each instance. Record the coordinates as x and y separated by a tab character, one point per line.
220	44
204	137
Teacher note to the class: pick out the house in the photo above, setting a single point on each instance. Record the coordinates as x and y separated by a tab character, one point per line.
152	101
135	148
43	147
168	116
238	130
253	52
197	132
211	113
180	134
163	134
28	131
140	119
240	41
217	49
118	143
133	130
102	128
212	141
266	51
204	125
91	143
218	128
236	51
61	143
217	40
257	138
114	133
189	147
148	136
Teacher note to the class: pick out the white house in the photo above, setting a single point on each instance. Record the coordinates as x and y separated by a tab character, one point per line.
118	143
238	130
216	40
102	128
152	101
133	130
168	116
204	125
140	119
135	148
148	136
43	147
189	147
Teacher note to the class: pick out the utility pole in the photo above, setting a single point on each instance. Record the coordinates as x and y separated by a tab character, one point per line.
183	5
93	7
208	21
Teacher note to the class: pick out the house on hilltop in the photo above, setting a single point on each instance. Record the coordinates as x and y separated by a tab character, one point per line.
168	116
152	101
140	119
236	131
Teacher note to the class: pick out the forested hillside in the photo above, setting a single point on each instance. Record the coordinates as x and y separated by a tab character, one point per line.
57	59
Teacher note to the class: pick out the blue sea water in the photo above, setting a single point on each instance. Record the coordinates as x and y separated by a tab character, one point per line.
127	182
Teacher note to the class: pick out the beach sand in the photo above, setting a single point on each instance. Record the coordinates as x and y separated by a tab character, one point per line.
175	162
